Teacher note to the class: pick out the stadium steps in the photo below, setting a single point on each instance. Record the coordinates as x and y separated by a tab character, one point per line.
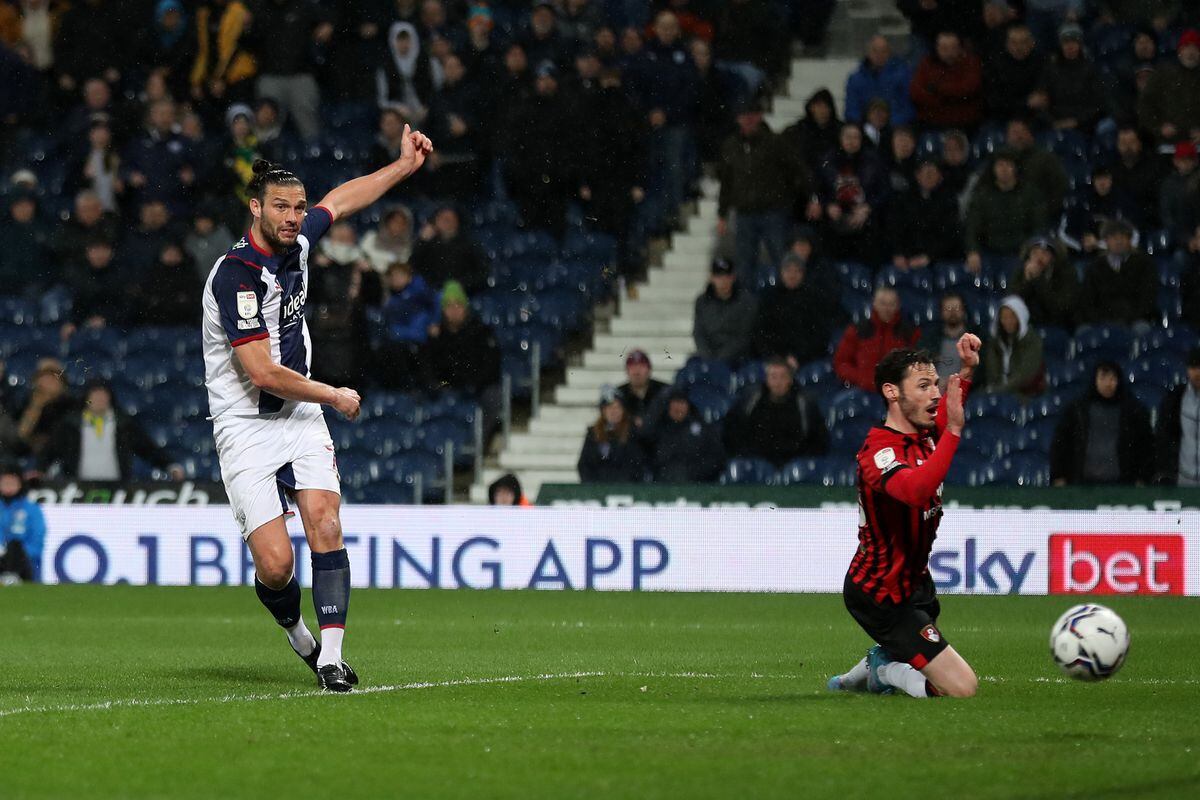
658	320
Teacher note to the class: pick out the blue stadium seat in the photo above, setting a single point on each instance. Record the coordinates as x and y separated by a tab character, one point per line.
1149	395
564	309
710	402
357	470
993	405
196	436
1065	143
1048	404
433	435
855	275
1170	272
803	470
453	405
1035	435
846	436
1067	373
929	145
1093	343
740	471
954	275
93	342
839	472
707	372
999	269
1158	242
988	140
970	469
28	340
393	406
499	308
54	306
591	247
890	275
1026	469
917	305
1178	338
1056	341
201	468
855	403
402	469
517	342
856	304
818	376
345	434
534	244
1170	303
382	437
751	373
520	371
1161	370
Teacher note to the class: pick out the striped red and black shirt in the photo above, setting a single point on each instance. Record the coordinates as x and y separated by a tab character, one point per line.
900	506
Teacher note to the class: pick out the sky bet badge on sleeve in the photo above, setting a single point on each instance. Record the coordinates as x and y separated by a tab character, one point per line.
247	304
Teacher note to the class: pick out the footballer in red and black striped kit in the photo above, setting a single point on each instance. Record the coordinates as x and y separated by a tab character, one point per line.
888	589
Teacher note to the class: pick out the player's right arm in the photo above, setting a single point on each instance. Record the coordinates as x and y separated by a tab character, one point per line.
266	375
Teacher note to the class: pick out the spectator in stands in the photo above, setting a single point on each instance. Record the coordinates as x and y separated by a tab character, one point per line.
158	163
942	340
1103	437
1003	212
991	41
1047	283
947	89
930	17
100	444
207	241
49	403
170	48
542	39
462	355
1177	431
816	133
750	40
901	146
453	120
1012	358
1137	174
22	529
956	162
794	317
89	42
223	66
1177	197
444	253
36	28
877	124
1070	88
1170	104
1011	80
404	79
338	273
141	246
97	288
1121	285
1038	167
717	91
1133	71
392	241
760	180
1101	202
410	311
1189	284
923	222
880	76
865	343
286	61
88	221
853	190
506	491
683	447
640	391
819	274
25	256
170	294
612	453
777	421
724	316
97	166
241	151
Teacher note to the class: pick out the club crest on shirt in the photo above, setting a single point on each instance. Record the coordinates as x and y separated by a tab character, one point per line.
931	634
885	458
247	304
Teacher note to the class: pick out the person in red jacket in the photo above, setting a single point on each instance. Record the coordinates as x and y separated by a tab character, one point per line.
947	88
864	344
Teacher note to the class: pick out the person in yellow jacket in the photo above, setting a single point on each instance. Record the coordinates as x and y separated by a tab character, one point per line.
222	64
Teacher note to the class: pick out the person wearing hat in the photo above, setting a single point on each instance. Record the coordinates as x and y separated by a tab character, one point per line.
1071	88
506	491
24	257
724	317
1170	104
1046	282
1120	285
612	451
1104	437
461	354
923	222
22	529
683	447
242	150
639	392
1176	199
48	404
1177	432
1004	211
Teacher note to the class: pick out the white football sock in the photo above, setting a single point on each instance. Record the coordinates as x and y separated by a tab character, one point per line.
331	646
301	639
856	678
904	678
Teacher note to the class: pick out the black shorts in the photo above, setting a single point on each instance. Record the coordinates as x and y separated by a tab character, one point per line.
907	631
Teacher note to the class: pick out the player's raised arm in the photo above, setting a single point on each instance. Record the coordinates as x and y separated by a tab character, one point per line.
355	195
968	352
915	486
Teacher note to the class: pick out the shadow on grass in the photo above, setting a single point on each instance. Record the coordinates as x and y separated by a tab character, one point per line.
227	674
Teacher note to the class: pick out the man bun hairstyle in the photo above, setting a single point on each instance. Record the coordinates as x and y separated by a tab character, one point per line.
895	365
268	174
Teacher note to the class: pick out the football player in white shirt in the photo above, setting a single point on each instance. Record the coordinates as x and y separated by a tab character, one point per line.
271	436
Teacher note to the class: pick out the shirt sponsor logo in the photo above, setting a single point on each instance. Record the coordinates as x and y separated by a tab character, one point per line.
247	324
247	304
1128	563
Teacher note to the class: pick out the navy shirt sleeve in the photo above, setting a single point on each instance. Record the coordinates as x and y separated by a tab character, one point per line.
316	224
239	293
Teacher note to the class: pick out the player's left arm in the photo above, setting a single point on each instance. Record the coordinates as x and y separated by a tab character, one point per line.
355	195
968	351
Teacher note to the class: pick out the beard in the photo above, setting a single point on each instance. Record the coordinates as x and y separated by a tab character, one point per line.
917	414
271	235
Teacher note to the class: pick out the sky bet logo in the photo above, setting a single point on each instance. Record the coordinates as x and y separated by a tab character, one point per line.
1123	563
973	569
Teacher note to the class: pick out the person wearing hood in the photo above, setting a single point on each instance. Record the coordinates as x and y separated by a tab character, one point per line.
853	191
612	452
404	81
1120	285
391	241
1047	283
242	149
1170	104
506	491
724	317
1012	358
794	317
923	223
777	420
947	88
864	344
1177	431
816	133
22	529
880	76
683	447
1104	437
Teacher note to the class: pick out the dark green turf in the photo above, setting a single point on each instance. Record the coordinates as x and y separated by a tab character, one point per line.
757	722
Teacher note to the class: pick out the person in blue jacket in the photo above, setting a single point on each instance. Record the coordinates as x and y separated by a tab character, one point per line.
881	75
22	529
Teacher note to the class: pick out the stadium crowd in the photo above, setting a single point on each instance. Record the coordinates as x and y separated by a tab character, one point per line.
1027	172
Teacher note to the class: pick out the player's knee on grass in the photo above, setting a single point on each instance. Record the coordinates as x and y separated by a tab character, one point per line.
960	683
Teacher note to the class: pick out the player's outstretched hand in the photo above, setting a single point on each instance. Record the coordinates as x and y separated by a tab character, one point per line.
968	350
346	402
955	418
414	147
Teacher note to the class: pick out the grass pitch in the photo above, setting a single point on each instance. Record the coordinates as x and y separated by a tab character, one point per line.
191	692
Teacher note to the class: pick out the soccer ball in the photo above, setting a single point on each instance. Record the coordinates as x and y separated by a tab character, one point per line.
1089	642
